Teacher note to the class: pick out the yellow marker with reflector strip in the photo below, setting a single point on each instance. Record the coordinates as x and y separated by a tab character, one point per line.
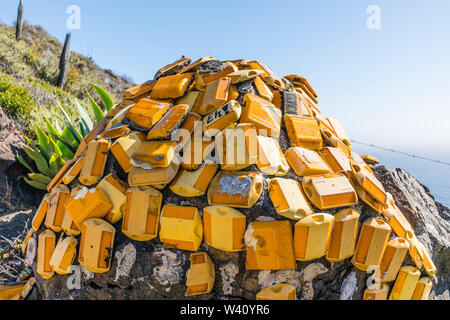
235	189
181	227
312	236
269	246
96	245
306	162
372	242
55	212
124	148
329	191
64	255
94	162
87	204
303	132
171	86
288	199
271	159
116	191
46	246
224	228
281	291
376	292
343	235
141	218
148	177
200	276
405	284
39	216
392	260
194	183
422	290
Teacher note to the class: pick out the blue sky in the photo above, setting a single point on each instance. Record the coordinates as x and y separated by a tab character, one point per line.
389	86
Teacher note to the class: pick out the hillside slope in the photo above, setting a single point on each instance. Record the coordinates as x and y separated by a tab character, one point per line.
29	72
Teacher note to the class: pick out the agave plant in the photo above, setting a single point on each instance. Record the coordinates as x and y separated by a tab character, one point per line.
58	146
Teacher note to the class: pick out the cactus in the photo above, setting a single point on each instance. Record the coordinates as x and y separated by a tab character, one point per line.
57	146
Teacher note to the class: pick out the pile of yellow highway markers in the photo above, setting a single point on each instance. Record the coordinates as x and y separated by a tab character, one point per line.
211	128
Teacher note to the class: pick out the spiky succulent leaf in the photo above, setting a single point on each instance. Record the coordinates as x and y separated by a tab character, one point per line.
98	113
104	96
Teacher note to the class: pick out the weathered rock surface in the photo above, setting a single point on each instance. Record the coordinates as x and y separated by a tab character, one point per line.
148	270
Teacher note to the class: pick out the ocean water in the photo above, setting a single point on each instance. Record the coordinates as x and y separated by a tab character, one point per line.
433	175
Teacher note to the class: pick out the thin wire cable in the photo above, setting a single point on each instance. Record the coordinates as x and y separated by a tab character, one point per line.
403	153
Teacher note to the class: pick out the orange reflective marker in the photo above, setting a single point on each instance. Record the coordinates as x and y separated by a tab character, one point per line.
376	292
336	160
235	189
329	191
138	90
263	114
87	204
193	99
422	290
39	216
269	246
168	123
46	246
369	182
146	113
94	162
243	75
268	75
141	218
332	140
288	199
195	152
405	284
371	244
173	68
156	154
124	147
396	220
150	177
221	118
263	90
339	131
303	132
55	212
306	162
73	172
64	255
172	86
216	94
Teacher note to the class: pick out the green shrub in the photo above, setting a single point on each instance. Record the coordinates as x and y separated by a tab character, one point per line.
15	100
